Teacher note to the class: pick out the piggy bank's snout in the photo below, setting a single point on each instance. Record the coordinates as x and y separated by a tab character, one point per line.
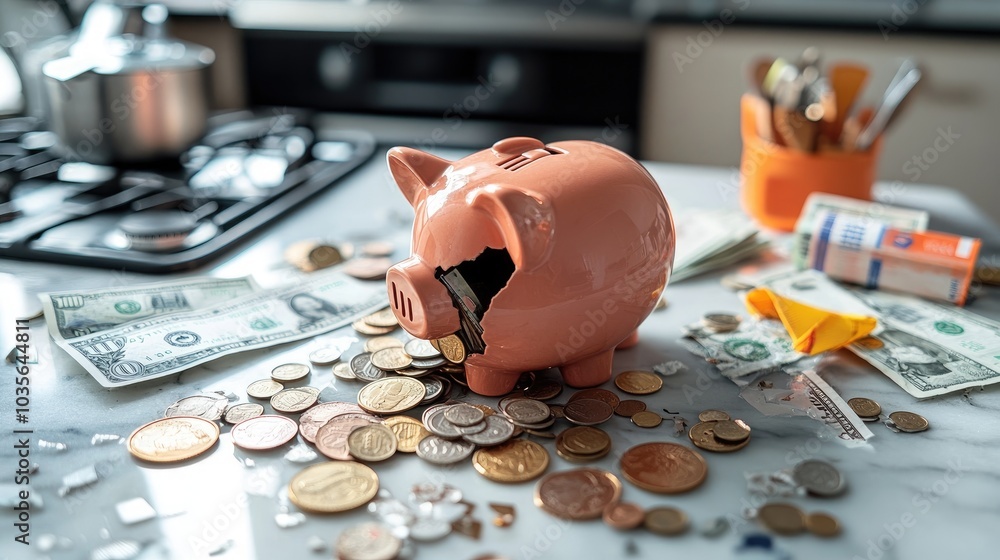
420	301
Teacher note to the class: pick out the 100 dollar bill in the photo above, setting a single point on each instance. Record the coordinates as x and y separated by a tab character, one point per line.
161	345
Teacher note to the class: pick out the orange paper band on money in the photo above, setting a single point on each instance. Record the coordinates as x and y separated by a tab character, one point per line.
811	329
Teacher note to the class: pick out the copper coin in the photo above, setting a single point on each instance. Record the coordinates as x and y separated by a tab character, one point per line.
331	439
702	435
822	524
638	382
731	431
665	468
588	412
172	439
313	419
577	494
646	419
544	390
264	432
666	521
629	407
784	519
623	516
712	415
599	394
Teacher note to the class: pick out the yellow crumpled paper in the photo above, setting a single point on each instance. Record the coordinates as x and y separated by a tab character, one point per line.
813	330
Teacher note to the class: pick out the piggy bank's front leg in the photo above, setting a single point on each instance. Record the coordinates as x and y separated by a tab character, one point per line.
588	372
490	382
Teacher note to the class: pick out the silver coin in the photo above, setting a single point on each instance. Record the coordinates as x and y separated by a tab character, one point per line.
818	477
527	411
433	388
441	451
343	371
363	368
428	363
536	426
414	372
438	425
240	412
464	415
721	322
473	429
368	541
209	407
289	372
498	430
324	356
419	349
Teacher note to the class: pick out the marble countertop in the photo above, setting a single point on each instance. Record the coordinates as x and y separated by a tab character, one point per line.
928	495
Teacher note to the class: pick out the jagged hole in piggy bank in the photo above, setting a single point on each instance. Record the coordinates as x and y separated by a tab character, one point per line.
535	256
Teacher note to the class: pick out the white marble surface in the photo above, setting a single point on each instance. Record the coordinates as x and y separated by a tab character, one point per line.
911	496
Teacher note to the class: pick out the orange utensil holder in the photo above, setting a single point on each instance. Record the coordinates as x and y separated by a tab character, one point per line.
776	180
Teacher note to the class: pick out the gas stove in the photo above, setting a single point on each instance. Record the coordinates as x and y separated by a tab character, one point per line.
249	169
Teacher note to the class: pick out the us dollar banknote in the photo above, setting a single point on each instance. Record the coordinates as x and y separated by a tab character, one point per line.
164	344
930	349
76	313
756	347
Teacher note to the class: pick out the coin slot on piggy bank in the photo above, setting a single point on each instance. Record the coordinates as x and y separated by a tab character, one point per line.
532	256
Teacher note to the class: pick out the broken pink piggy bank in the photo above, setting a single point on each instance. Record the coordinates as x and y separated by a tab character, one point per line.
534	255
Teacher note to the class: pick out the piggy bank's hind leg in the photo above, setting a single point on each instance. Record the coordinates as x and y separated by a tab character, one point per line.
588	372
630	341
490	382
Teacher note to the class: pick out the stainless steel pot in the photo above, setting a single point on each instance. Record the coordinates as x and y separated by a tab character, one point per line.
125	93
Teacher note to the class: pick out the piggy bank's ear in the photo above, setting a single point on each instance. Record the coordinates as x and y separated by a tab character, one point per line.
414	170
524	219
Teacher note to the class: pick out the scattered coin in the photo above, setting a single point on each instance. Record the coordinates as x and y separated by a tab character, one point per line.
581	444
289	372
391	359
646	419
818	477
623	516
374	442
264	388
665	520
421	349
343	371
543	390
292	400
784	519
381	343
391	395
578	494
452	348
721	322
264	432
518	460
363	369
367	268
731	431
712	415
368	541
313	419
208	406
437	424
588	412
638	382
311	255
440	451
664	468
428	363
865	408
434	387
598	394
909	421
172	439
526	411
333	487
324	356
463	415
377	249
240	412
628	408
382	318
822	524
498	430
331	438
702	435
408	432
364	328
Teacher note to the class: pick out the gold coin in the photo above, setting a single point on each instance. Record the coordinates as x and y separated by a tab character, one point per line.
909	421
172	439
373	442
364	328
295	399
333	487
666	521
583	440
391	395
731	431
451	348
784	519
865	408
408	432
381	343
646	419
391	359
702	435
264	388
638	382
289	372
822	524
712	415
518	460
383	318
